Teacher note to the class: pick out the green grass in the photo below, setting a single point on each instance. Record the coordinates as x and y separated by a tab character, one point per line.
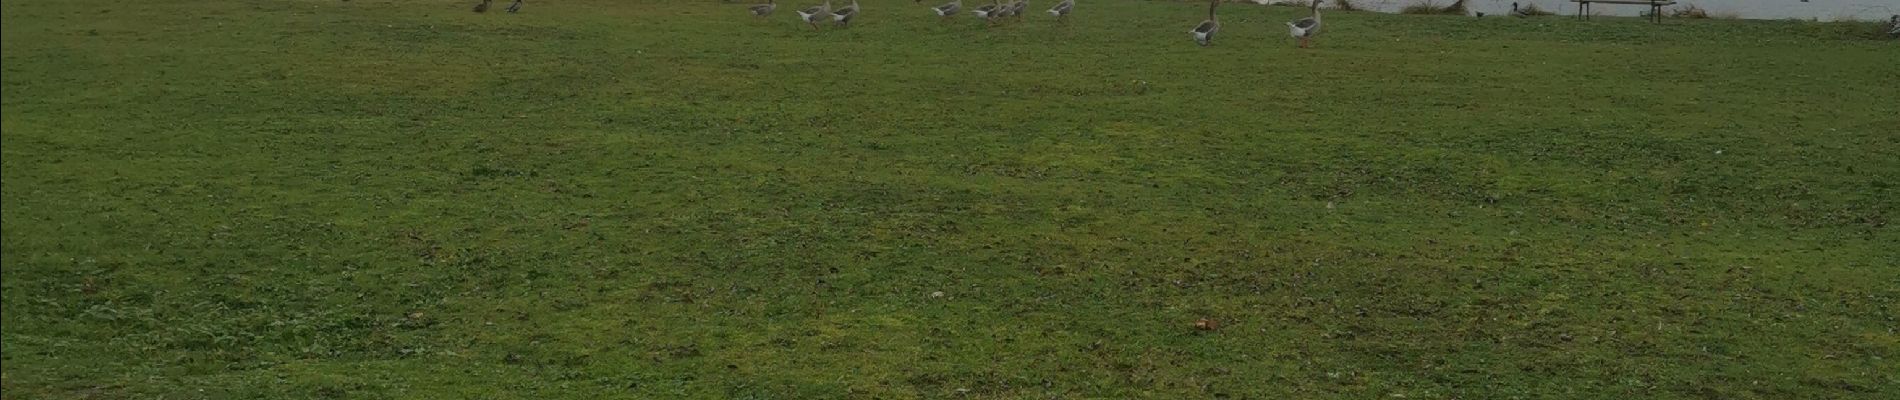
670	199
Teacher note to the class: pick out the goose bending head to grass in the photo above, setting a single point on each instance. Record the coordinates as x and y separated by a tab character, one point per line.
514	7
1016	9
988	12
1061	10
765	10
483	7
1305	28
948	10
1204	33
813	13
844	15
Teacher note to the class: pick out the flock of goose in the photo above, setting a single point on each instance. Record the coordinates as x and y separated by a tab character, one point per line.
1302	30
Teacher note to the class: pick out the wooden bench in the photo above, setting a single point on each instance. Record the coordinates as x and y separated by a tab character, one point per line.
1655	6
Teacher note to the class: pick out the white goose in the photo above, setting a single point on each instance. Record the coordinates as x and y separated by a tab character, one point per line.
813	13
766	9
1061	10
1204	33
948	10
1305	28
844	15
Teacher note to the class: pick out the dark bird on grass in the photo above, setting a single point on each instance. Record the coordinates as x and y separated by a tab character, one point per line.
1061	10
844	15
515	7
1204	33
948	10
482	8
1305	28
764	10
813	13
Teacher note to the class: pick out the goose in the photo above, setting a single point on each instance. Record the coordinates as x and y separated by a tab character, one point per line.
765	9
813	13
1002	10
1893	26
1204	33
515	7
843	16
1519	12
1305	28
1016	9
1061	10
987	11
948	10
482	8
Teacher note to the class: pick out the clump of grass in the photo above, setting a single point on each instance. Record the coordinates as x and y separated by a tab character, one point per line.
1889	29
1426	7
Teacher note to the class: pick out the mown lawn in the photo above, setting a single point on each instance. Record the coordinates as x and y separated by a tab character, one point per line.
670	199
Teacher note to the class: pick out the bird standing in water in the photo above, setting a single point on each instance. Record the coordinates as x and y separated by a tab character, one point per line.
1204	33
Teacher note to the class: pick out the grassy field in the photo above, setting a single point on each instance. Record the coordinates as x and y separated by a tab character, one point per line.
670	199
